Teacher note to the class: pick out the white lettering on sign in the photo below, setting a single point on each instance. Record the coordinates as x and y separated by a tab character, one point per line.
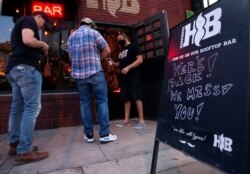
114	6
207	90
186	86
190	136
223	143
204	27
187	112
123	54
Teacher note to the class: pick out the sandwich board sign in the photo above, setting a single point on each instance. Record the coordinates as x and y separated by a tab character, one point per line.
204	107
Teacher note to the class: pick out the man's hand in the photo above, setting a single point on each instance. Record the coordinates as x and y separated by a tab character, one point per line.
44	47
125	70
31	41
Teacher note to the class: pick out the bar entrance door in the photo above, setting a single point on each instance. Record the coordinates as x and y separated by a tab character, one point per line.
151	36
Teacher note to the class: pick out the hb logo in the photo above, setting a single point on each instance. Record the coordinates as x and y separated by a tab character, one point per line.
204	27
223	143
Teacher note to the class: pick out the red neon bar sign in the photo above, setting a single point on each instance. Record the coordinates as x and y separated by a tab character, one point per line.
53	10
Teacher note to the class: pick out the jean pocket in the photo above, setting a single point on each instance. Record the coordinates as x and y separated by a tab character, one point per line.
25	74
98	77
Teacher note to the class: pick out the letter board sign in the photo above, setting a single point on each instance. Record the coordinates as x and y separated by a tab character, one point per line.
204	108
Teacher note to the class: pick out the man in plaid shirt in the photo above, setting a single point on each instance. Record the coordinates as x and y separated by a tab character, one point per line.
86	48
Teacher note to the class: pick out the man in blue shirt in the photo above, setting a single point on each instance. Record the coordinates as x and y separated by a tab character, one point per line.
86	48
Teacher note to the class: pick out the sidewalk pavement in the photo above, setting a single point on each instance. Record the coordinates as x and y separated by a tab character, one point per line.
130	154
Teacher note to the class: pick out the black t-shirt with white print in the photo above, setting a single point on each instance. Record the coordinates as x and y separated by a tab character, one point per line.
21	53
127	56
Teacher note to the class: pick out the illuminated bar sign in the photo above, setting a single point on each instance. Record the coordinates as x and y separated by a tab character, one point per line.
52	9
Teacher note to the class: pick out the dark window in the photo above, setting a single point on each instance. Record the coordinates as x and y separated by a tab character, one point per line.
150	40
6	26
55	67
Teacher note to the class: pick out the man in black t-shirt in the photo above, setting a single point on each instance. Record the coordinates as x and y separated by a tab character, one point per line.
24	75
129	60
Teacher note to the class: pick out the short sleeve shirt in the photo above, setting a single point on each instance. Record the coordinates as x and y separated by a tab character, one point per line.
127	56
84	45
21	53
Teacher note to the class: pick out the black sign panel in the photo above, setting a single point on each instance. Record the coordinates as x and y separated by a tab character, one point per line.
204	109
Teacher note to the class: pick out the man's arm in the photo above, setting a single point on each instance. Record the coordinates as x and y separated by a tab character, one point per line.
105	52
135	64
116	64
31	41
70	57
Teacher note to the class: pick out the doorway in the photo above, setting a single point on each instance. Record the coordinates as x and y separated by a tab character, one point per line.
151	35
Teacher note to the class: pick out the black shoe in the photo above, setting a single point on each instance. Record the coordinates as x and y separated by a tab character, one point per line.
89	138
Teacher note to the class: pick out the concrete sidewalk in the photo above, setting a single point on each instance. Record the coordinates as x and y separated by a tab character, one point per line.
130	154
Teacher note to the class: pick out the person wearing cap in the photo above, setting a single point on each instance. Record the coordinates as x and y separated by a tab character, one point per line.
86	48
23	72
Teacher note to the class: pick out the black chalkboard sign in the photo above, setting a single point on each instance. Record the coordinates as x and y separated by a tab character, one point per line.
204	108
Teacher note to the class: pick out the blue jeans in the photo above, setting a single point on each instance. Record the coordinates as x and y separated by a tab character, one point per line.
26	83
94	86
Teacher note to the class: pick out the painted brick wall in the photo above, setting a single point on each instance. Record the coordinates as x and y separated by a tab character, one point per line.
133	11
58	110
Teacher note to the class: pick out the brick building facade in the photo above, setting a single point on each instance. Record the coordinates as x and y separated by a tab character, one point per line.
133	11
62	109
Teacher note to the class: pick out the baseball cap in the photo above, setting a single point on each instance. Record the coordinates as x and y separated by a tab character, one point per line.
88	21
48	25
43	14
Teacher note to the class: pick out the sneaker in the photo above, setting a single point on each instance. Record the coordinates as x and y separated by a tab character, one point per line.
30	157
122	124
140	125
89	138
110	137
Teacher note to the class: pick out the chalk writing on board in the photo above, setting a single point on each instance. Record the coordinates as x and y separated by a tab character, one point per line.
207	90
188	143
188	74
211	61
193	135
190	136
187	112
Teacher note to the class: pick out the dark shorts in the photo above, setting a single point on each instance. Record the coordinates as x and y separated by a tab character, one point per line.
130	89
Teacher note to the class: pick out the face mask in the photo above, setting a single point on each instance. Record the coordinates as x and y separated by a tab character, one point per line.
122	42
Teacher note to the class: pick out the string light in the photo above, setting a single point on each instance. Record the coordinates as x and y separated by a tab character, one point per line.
17	10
